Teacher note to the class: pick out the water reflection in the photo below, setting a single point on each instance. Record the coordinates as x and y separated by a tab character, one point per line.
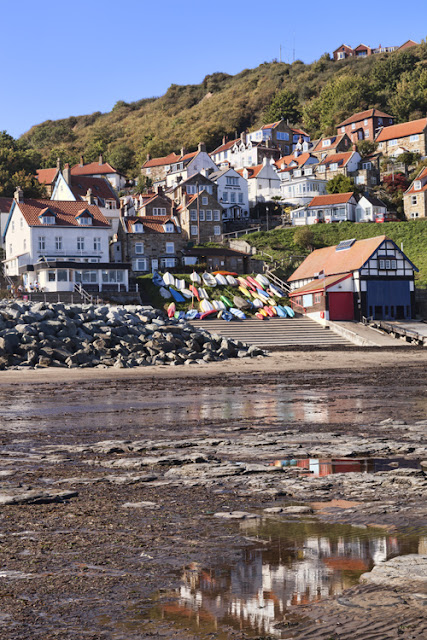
301	563
319	467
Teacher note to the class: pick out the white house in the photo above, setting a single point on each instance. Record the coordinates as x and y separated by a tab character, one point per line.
5	204
335	207
232	193
88	189
60	245
369	208
263	182
188	164
100	169
301	186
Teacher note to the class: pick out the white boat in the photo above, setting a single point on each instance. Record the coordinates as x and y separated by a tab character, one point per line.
208	279
220	279
205	305
231	280
258	303
195	278
203	294
186	293
168	279
165	293
179	284
262	280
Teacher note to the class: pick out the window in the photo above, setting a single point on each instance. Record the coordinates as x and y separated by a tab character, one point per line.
317	298
208	215
62	275
326	143
84	220
168	227
387	264
48	220
193	230
25	245
414	214
217	230
390	120
112	275
414	138
321	168
393	142
140	264
240	198
97	244
353	126
10	248
138	227
233	182
380	120
193	215
42	243
191	188
21	223
159	211
202	215
366	165
167	263
170	247
13	225
333	166
80	243
341	55
58	243
417	185
209	189
51	276
110	204
414	200
205	200
139	247
225	197
89	276
233	197
366	133
216	214
365	122
282	135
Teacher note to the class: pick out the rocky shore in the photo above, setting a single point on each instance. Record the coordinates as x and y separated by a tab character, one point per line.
40	335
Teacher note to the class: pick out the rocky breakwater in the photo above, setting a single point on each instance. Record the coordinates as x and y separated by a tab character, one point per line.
34	336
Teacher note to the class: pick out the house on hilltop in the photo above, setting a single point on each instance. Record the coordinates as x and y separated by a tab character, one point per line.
371	278
100	169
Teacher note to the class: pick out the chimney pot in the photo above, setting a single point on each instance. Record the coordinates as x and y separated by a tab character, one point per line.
82	161
159	190
18	196
148	157
101	159
58	164
243	137
67	173
183	151
224	139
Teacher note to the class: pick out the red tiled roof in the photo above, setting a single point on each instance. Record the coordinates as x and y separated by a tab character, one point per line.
334	262
421	176
370	113
330	198
402	130
340	158
5	204
159	162
299	132
287	160
224	147
335	140
252	171
66	213
320	284
271	126
46	176
93	168
151	224
100	188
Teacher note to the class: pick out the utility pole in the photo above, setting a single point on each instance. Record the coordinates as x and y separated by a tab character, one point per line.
266	211
280	54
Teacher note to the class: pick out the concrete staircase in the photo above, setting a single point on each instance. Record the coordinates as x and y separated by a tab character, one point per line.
276	333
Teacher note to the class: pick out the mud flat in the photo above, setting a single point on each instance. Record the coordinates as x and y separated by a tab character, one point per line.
146	503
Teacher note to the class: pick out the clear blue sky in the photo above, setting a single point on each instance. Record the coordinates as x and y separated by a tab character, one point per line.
79	56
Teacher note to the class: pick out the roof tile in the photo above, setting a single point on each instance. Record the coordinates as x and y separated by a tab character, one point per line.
402	130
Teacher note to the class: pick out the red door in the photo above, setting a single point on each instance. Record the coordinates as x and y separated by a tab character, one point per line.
341	305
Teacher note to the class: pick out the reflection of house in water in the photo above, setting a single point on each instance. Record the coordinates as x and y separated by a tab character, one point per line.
256	591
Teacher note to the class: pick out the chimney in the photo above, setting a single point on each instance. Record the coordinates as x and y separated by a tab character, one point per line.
58	164
354	147
18	196
101	159
159	190
148	157
224	139
183	151
67	174
201	147
82	161
264	161
243	137
89	197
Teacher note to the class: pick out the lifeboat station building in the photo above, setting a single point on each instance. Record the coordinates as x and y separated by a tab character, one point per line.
355	279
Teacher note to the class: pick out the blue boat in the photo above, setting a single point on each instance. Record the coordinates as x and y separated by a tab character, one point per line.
290	311
192	314
176	295
157	279
227	316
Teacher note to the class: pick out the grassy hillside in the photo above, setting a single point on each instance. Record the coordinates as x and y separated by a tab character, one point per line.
281	246
221	104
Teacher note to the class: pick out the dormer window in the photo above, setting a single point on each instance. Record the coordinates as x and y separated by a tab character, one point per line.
417	185
333	166
168	227
84	218
326	143
138	227
46	217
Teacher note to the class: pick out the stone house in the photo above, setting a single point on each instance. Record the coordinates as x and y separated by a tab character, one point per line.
368	171
408	136
149	243
189	164
365	125
338	164
200	217
415	197
157	168
335	144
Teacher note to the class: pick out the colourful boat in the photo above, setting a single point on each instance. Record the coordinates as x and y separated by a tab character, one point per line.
226	301
194	291
171	310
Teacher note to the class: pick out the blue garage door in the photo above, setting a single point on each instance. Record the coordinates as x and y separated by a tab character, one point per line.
388	300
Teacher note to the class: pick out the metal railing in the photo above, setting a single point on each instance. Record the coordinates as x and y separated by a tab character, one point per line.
240	232
277	281
83	293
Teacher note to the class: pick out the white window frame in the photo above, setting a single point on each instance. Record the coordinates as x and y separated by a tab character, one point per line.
202	215
80	243
141	264
139	248
414	137
217	230
193	215
42	243
193	230
216	215
58	243
205	200
209	215
170	247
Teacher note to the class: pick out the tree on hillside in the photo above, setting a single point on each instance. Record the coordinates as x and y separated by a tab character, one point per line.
18	165
340	184
304	238
122	158
366	147
284	106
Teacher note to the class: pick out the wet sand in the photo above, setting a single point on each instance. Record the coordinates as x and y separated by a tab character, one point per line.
91	568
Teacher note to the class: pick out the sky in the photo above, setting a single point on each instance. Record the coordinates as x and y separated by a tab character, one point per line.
72	58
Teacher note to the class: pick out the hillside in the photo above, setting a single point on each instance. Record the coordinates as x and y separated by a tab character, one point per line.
281	246
326	92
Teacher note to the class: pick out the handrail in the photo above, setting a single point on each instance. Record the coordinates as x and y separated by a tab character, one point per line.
84	294
243	232
276	280
296	304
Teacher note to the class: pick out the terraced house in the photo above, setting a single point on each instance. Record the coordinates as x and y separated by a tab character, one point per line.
399	138
365	125
415	197
199	213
